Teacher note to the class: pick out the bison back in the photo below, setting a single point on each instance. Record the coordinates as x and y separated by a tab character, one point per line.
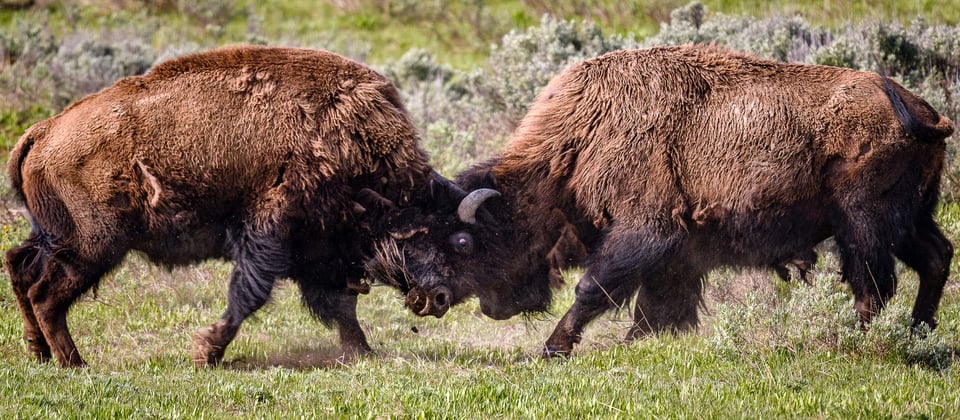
239	135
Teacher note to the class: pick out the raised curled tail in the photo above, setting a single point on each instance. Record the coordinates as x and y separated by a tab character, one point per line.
917	117
17	156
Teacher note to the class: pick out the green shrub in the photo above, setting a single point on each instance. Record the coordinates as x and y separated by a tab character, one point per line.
209	12
86	63
23	47
47	71
821	319
13	122
417	66
483	106
526	60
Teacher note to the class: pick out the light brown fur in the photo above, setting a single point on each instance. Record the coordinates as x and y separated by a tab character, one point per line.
641	119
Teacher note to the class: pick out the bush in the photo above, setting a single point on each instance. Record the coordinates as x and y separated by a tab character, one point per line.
482	107
525	61
821	318
85	64
48	72
24	47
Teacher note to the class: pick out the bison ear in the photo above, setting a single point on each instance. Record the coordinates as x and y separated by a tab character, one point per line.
467	210
490	180
478	178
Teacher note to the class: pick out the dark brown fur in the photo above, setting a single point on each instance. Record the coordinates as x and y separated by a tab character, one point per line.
683	159
252	154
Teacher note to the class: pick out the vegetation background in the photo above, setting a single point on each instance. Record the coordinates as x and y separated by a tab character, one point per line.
467	70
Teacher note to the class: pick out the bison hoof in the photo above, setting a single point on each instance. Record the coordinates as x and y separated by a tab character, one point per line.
360	287
921	328
40	350
205	352
72	361
550	352
354	350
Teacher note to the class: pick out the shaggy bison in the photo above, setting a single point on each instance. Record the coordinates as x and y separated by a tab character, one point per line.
674	161
252	154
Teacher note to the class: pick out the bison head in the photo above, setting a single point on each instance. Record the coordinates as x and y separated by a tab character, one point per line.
463	243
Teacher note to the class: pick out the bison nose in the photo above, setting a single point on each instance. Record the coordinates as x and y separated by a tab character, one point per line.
434	302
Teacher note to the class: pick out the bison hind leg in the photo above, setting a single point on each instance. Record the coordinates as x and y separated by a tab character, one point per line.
25	264
65	277
928	252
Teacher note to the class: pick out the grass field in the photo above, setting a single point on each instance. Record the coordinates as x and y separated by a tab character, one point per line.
765	349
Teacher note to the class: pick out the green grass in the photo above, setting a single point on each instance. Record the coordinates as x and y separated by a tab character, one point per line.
136	332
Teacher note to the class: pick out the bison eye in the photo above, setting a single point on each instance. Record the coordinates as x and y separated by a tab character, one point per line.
462	243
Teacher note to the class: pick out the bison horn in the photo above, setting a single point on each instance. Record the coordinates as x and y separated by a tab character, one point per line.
468	207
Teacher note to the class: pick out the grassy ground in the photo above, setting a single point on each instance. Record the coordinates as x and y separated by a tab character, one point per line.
136	332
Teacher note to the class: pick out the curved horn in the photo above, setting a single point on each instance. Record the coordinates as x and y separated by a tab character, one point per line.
468	207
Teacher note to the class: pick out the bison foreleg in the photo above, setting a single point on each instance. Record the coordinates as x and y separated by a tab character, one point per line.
929	253
353	342
247	294
260	261
613	275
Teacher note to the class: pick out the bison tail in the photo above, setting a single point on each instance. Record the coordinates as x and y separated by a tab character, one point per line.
15	164
938	130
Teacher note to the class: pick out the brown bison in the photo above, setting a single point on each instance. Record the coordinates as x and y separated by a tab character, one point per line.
251	154
673	161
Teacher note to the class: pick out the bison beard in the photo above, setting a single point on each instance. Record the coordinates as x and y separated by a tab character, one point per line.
253	154
673	161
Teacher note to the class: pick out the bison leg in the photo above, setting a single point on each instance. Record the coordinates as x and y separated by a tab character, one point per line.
336	306
929	253
247	294
868	266
612	276
260	261
668	301
24	264
61	284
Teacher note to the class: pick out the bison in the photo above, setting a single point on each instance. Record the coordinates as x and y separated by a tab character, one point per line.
252	154
673	161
